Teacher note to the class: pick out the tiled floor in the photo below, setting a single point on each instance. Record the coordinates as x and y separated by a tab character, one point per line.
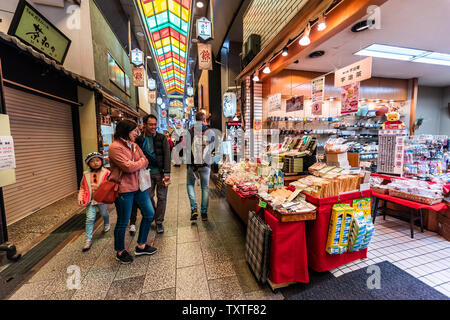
207	261
426	257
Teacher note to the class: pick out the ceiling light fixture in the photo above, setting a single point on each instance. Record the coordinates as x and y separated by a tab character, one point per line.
255	77
363	25
322	24
304	41
200	4
285	51
266	70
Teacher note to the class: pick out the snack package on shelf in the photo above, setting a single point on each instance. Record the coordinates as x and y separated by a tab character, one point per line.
333	182
363	206
336	145
339	230
370	229
357	232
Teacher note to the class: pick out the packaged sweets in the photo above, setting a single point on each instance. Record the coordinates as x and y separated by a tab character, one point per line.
339	230
358	232
363	205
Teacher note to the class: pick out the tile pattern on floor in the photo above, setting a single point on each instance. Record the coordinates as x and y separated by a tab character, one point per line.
206	260
426	257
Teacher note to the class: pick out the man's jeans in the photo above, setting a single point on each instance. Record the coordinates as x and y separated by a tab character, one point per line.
91	212
161	194
124	204
203	172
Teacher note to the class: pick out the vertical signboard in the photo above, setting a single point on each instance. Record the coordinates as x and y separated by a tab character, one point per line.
204	56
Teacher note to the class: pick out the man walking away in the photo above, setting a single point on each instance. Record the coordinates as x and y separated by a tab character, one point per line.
156	148
198	169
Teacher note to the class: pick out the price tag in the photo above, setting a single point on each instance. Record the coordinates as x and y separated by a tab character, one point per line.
262	204
364	186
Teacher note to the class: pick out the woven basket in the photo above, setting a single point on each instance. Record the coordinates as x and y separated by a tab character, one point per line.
413	197
379	190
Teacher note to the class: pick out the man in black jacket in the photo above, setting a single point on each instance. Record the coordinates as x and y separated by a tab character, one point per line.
157	150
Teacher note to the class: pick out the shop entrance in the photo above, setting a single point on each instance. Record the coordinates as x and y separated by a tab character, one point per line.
45	154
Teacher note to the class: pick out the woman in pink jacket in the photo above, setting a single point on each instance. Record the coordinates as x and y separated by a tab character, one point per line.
126	160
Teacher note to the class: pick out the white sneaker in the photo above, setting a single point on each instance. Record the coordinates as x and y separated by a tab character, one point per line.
87	245
106	228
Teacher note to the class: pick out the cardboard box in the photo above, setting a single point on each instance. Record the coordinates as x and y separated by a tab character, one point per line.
444	230
337	157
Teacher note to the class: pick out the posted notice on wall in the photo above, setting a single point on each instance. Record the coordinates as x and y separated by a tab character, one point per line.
7	157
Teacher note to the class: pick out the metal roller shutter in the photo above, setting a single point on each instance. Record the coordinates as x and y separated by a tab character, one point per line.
45	154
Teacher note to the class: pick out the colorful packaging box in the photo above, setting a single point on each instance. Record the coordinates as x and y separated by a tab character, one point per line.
363	205
357	232
339	230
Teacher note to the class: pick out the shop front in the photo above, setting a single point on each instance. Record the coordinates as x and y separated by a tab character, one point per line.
333	136
111	110
43	118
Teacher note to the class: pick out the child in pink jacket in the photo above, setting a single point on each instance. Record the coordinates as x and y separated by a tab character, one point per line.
89	184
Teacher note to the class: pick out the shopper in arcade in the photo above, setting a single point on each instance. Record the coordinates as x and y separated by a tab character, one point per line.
198	168
127	159
156	148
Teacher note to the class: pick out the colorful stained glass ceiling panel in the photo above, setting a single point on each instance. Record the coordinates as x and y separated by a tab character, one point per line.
168	24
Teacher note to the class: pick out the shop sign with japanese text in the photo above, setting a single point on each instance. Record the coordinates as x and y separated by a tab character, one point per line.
274	102
138	77
229	105
204	28
137	57
35	30
356	72
350	98
204	56
151	96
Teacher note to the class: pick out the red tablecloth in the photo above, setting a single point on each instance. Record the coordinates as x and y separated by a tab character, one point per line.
317	233
411	204
288	257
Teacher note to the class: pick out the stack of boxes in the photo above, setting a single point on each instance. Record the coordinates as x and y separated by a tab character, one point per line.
339	230
351	227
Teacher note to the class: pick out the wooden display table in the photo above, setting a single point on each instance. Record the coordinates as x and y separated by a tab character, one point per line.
240	205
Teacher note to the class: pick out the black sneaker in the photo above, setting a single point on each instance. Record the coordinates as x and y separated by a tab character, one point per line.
194	214
148	250
204	217
124	258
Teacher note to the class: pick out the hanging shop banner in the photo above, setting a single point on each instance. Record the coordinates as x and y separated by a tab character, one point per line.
204	56
318	89
190	101
151	83
151	96
316	108
257	124
204	28
35	30
137	57
295	104
7	156
229	104
105	120
138	77
358	71
350	98
163	113
274	102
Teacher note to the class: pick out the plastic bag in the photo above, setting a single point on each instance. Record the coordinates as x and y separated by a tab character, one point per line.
145	180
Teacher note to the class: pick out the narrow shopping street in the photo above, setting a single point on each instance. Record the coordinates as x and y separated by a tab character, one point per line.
206	260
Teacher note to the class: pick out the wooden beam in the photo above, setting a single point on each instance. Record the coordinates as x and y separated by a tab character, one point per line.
341	17
51	96
412	116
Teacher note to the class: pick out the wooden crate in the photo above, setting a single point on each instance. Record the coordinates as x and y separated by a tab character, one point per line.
291	217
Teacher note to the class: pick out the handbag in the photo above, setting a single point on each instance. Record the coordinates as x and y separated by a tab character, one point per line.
145	180
108	191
